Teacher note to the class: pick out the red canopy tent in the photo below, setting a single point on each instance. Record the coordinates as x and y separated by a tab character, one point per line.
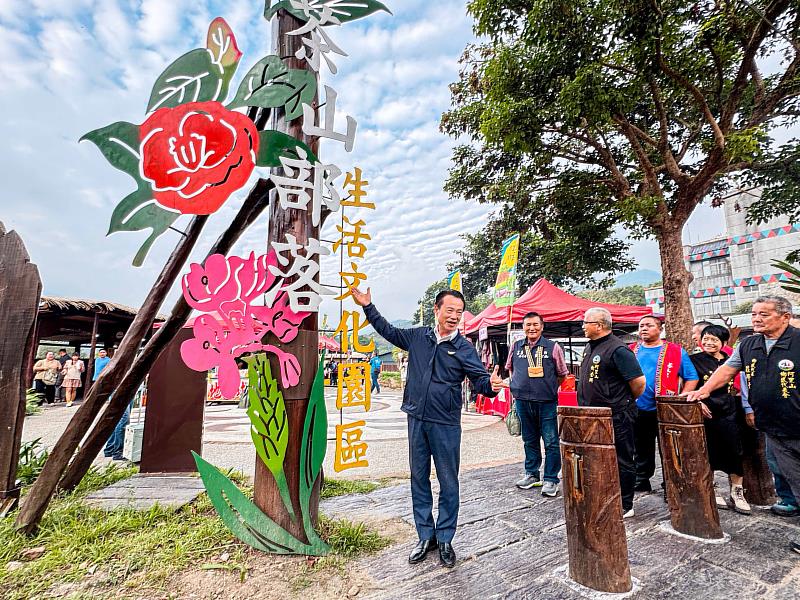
558	309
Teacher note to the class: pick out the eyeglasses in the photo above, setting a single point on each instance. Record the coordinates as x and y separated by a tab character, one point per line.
591	323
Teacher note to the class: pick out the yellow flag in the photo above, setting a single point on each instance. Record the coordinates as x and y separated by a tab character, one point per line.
454	281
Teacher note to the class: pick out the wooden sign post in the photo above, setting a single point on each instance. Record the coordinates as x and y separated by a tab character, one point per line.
298	223
598	548
20	290
687	473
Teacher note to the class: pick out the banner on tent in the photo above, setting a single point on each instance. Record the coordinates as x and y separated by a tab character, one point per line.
505	286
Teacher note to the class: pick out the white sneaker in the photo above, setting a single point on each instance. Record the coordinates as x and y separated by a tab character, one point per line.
721	504
740	505
550	489
629	514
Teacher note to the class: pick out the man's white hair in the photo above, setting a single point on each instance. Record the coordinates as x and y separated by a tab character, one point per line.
601	315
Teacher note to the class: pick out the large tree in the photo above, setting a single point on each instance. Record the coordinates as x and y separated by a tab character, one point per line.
637	110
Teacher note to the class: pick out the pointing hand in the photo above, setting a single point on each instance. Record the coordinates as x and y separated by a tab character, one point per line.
361	298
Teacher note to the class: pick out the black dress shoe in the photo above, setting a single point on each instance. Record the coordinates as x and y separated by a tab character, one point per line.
446	554
420	551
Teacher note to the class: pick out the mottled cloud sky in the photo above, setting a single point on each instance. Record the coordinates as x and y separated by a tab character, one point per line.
70	66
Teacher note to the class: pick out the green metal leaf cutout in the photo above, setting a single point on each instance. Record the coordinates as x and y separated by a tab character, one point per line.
119	143
194	77
138	211
274	144
269	422
312	451
342	10
244	519
270	84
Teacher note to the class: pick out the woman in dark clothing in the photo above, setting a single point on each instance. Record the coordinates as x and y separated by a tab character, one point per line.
722	431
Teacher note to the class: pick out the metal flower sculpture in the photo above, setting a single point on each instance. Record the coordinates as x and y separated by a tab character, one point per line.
192	152
225	289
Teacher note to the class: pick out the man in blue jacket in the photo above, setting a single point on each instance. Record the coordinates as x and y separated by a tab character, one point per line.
439	360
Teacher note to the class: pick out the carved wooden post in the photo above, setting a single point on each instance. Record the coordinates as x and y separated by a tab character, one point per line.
20	290
266	493
759	485
598	548
687	473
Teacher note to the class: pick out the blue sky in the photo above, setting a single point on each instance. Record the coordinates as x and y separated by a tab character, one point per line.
71	66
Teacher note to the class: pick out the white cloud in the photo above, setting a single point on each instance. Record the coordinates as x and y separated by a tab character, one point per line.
71	66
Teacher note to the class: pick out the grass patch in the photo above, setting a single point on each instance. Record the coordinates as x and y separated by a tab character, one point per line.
111	550
348	539
91	553
343	487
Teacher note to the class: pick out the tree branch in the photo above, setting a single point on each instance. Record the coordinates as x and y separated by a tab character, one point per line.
747	65
651	178
719	137
671	165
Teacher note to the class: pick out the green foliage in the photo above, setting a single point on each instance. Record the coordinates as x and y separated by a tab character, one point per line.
33	402
344	487
349	539
270	84
390	377
778	177
193	77
344	11
583	116
274	144
745	308
793	285
269	423
32	456
632	295
128	548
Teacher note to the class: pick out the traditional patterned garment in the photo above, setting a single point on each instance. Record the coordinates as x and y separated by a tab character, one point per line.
666	379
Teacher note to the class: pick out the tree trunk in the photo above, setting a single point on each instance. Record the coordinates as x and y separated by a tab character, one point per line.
39	497
298	223
253	206
676	280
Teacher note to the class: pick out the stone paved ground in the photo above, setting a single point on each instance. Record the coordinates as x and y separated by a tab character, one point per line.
510	542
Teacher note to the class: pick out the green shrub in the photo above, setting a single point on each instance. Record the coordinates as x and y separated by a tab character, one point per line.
33	402
32	456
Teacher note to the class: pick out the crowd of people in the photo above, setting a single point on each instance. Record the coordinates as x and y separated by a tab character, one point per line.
627	378
57	379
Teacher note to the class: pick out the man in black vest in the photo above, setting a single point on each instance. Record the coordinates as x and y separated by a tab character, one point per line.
770	360
537	368
611	377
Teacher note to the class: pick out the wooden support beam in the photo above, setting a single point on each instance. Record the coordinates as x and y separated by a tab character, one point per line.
93	348
596	542
45	486
255	204
687	472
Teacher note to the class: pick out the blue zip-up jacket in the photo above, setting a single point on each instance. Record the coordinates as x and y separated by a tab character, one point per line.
435	371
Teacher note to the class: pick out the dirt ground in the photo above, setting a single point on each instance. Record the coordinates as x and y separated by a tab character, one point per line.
269	577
